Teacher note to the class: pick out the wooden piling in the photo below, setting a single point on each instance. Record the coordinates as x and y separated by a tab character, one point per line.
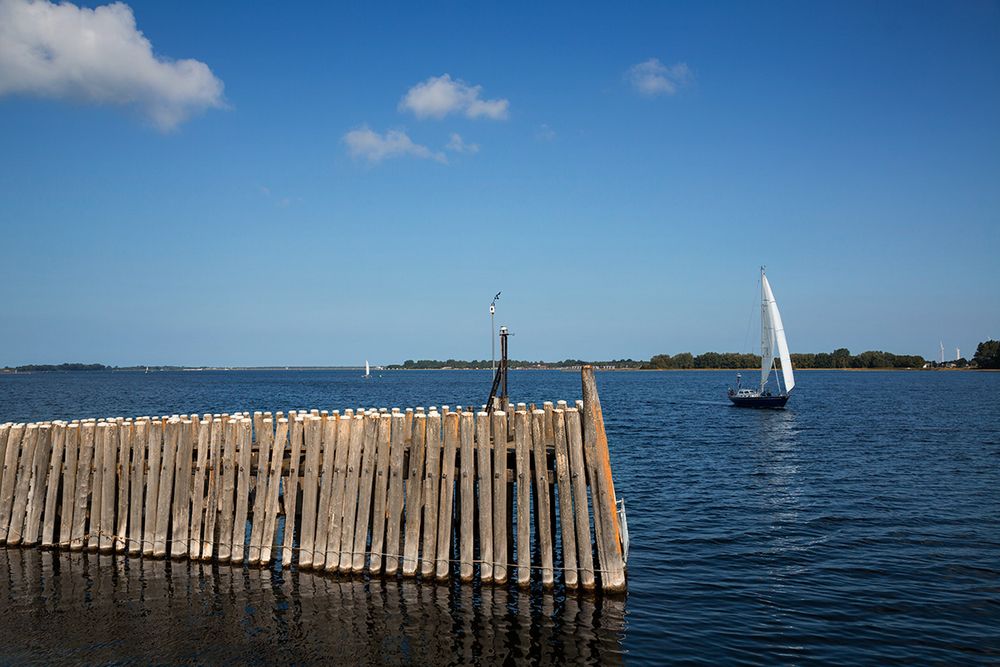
124	474
323	517
310	490
522	456
154	451
54	481
365	491
467	497
68	504
446	499
596	452
239	534
578	480
10	478
567	521
543	515
381	482
350	505
484	486
268	538
500	516
432	472
227	500
394	513
84	475
109	473
181	513
340	465
414	494
291	489
171	434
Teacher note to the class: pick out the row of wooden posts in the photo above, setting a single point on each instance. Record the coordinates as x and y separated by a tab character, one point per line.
504	493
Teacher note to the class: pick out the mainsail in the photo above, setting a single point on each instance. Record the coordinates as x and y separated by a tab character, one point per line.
777	334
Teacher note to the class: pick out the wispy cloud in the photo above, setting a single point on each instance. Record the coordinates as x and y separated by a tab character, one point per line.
366	144
98	56
545	133
439	96
654	78
458	145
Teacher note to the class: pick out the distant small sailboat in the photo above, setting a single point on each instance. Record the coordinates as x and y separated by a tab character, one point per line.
772	333
368	371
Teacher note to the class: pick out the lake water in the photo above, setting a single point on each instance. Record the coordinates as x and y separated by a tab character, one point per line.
860	525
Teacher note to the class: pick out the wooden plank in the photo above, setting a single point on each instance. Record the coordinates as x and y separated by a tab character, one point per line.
265	442
291	489
68	505
181	507
394	513
154	450
543	514
578	479
414	494
365	491
273	489
4	434
432	485
381	482
467	488
8	482
109	471
54	480
244	440
15	529
137	469
566	520
350	510
447	497
202	446
39	470
522	457
595	448
501	520
484	484
226	491
214	491
171	434
124	481
340	464
310	490
323	516
84	475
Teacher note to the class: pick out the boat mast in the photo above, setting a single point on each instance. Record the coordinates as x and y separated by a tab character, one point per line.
764	337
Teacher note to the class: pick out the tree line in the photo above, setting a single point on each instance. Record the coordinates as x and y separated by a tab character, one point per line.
839	358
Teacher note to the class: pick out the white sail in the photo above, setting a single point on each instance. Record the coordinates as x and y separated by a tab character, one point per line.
367	370
766	341
778	330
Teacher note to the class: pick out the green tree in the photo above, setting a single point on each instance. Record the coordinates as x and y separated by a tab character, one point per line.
987	354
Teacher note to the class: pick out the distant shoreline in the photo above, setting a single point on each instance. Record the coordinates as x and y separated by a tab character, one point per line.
191	369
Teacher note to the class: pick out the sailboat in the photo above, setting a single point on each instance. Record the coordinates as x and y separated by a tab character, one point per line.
368	372
772	334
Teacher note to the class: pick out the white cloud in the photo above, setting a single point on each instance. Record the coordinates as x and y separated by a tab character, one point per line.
545	133
364	143
98	56
654	78
439	96
458	145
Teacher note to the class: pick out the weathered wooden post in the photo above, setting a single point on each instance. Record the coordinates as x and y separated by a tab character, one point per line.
596	448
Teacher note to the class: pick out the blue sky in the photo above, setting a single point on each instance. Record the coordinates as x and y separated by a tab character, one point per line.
622	173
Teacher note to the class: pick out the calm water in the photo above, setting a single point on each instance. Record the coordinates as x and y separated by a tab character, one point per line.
861	525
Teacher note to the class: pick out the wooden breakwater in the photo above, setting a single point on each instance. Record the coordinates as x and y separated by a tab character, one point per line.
516	494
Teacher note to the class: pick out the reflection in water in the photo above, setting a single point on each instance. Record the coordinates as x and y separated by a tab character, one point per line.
83	607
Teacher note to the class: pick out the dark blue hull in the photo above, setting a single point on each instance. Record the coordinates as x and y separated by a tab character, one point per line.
773	402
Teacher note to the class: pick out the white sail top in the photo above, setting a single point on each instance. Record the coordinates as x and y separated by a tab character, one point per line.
367	371
778	330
